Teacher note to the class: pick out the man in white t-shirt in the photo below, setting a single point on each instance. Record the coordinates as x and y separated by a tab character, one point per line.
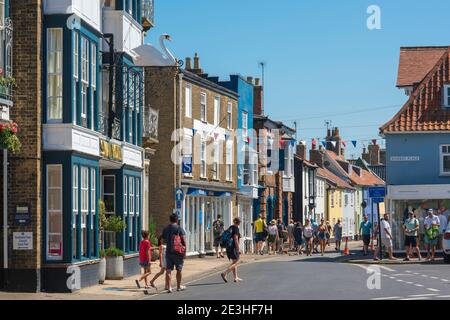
386	236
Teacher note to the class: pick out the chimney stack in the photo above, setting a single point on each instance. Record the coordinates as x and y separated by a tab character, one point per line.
316	157
374	154
250	80
197	70
188	65
301	151
258	100
257	82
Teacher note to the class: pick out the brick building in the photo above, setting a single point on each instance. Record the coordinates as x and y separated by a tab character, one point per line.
79	104
198	118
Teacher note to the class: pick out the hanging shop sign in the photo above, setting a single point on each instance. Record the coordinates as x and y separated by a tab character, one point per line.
110	151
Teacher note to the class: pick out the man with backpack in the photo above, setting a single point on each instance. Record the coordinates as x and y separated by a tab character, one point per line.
174	236
218	228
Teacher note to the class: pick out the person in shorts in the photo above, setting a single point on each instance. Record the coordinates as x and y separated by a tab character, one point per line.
411	229
174	260
308	234
386	238
431	226
290	233
273	236
218	228
145	254
365	230
233	252
260	234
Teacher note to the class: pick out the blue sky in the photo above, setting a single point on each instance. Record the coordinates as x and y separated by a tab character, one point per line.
322	61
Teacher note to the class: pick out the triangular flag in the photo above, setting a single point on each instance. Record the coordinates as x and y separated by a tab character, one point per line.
215	136
314	144
324	143
333	143
354	142
194	131
292	143
344	143
248	139
282	143
226	137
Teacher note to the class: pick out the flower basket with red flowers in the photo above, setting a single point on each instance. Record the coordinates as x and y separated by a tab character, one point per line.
8	137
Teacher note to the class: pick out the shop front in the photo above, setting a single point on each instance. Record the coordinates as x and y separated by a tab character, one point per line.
416	198
201	209
245	213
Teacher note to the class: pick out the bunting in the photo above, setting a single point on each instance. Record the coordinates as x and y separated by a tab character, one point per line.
344	143
354	142
194	131
333	143
215	136
324	143
313	144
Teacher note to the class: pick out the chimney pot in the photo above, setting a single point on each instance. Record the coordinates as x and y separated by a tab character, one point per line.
257	82
250	80
188	65
196	62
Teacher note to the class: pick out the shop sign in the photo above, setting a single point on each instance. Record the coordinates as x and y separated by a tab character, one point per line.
22	215
187	164
405	158
110	151
22	240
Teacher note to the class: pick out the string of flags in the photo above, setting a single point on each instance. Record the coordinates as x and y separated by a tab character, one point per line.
324	142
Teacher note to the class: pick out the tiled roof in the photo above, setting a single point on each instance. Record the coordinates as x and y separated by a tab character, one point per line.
423	111
334	179
416	62
366	179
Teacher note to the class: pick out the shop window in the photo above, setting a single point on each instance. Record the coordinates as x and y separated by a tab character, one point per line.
229	161
76	56
54	74
445	160
75	184
109	195
93	212
54	212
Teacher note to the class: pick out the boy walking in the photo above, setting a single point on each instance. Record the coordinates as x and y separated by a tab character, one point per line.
145	254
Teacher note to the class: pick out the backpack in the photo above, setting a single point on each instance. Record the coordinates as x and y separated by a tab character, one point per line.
177	243
226	240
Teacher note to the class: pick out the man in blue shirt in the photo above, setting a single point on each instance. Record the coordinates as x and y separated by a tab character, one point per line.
365	230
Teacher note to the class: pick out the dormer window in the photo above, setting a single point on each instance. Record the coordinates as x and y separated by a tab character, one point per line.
446	96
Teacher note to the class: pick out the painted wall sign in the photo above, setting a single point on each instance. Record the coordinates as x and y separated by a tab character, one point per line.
110	151
22	240
405	158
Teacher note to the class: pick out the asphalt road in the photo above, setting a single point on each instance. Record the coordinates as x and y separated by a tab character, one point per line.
320	278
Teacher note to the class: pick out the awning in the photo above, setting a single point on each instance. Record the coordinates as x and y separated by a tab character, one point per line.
149	56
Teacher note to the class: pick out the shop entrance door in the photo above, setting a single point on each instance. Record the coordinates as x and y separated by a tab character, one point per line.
209	218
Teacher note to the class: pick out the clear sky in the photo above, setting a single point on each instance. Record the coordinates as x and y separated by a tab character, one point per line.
323	63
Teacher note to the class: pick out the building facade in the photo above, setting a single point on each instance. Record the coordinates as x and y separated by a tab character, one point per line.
197	123
417	138
83	144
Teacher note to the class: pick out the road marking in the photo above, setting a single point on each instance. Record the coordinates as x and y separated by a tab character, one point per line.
407	271
424	275
418	285
435	278
418	298
448	296
409	282
423	295
445	280
400	280
416	273
391	277
402	274
434	290
386	298
387	269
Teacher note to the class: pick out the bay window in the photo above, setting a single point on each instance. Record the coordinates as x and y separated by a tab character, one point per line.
54	212
84	208
54	74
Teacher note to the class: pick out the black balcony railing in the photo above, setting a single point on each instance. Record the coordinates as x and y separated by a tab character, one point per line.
148	14
7	81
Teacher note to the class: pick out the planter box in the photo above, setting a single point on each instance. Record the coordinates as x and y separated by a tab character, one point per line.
114	268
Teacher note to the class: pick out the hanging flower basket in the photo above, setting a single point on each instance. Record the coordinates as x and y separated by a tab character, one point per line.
8	137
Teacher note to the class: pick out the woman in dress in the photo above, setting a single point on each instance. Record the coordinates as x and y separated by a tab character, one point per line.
308	235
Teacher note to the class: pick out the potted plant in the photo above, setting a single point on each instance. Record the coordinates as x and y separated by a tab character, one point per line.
8	137
153	239
102	267
114	264
114	256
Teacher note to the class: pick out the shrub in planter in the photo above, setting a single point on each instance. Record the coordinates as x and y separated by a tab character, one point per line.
114	264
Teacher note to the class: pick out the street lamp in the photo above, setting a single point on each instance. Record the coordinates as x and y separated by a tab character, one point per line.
311	204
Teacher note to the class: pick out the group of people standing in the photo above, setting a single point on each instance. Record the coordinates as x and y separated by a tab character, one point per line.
309	236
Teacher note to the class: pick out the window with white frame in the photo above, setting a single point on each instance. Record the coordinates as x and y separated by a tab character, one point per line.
230	115
2	12
291	160
84	76
131	195
216	111
445	159
188	101
93	80
287	169
332	198
255	169
245	125
125	196
203	106
75	211
203	158
109	194
84	208
446	95
92	213
54	74
54	213
215	157
76	55
246	168
229	161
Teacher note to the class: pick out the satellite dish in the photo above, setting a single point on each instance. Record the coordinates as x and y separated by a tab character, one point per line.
73	22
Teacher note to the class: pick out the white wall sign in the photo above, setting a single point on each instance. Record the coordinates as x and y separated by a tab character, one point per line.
22	240
405	158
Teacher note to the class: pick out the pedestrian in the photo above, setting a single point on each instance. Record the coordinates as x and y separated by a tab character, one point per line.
260	234
411	229
290	229
308	234
386	238
337	231
162	263
316	241
273	236
366	230
174	237
218	228
328	234
233	251
282	235
145	254
431	226
321	233
298	237
442	228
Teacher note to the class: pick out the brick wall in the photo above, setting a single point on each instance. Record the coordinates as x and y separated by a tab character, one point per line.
24	172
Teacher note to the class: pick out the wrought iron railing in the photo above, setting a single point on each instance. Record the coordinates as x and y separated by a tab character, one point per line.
6	56
148	14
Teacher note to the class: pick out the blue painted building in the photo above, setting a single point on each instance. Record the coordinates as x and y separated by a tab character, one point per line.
92	134
418	138
247	156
